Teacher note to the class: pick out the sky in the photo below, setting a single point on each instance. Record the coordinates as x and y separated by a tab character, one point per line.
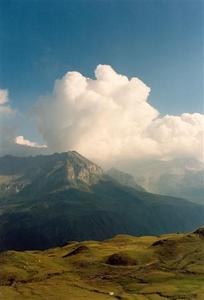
158	41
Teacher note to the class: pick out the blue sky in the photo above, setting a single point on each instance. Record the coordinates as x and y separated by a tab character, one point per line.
159	41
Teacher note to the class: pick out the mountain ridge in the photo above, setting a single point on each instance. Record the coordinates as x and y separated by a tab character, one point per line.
67	168
124	179
52	208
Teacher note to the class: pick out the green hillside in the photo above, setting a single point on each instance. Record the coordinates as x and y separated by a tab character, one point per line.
124	267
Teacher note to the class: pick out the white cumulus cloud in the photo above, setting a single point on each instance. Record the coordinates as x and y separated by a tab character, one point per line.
179	136
99	117
109	118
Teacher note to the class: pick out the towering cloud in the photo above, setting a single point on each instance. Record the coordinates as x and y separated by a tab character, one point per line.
109	118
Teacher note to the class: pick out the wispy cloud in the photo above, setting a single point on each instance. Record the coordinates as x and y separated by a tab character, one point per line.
10	143
20	140
5	108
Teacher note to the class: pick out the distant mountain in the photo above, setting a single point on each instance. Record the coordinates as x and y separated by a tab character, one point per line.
124	179
49	200
190	185
180	177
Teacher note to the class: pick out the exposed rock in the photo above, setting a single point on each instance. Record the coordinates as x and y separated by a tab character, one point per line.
121	259
78	250
163	242
200	231
56	171
160	242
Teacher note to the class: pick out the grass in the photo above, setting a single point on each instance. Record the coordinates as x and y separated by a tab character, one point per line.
125	267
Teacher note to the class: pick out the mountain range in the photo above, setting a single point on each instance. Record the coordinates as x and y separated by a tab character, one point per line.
182	177
48	200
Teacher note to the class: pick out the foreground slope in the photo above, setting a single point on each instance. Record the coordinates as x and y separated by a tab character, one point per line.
125	267
47	201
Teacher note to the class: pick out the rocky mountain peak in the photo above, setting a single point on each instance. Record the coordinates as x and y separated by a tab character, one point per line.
47	172
79	168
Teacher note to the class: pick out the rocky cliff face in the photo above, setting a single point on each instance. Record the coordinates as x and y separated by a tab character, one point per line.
81	169
57	171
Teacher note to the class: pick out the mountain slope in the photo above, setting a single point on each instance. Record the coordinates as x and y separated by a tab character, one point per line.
125	267
66	197
124	179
